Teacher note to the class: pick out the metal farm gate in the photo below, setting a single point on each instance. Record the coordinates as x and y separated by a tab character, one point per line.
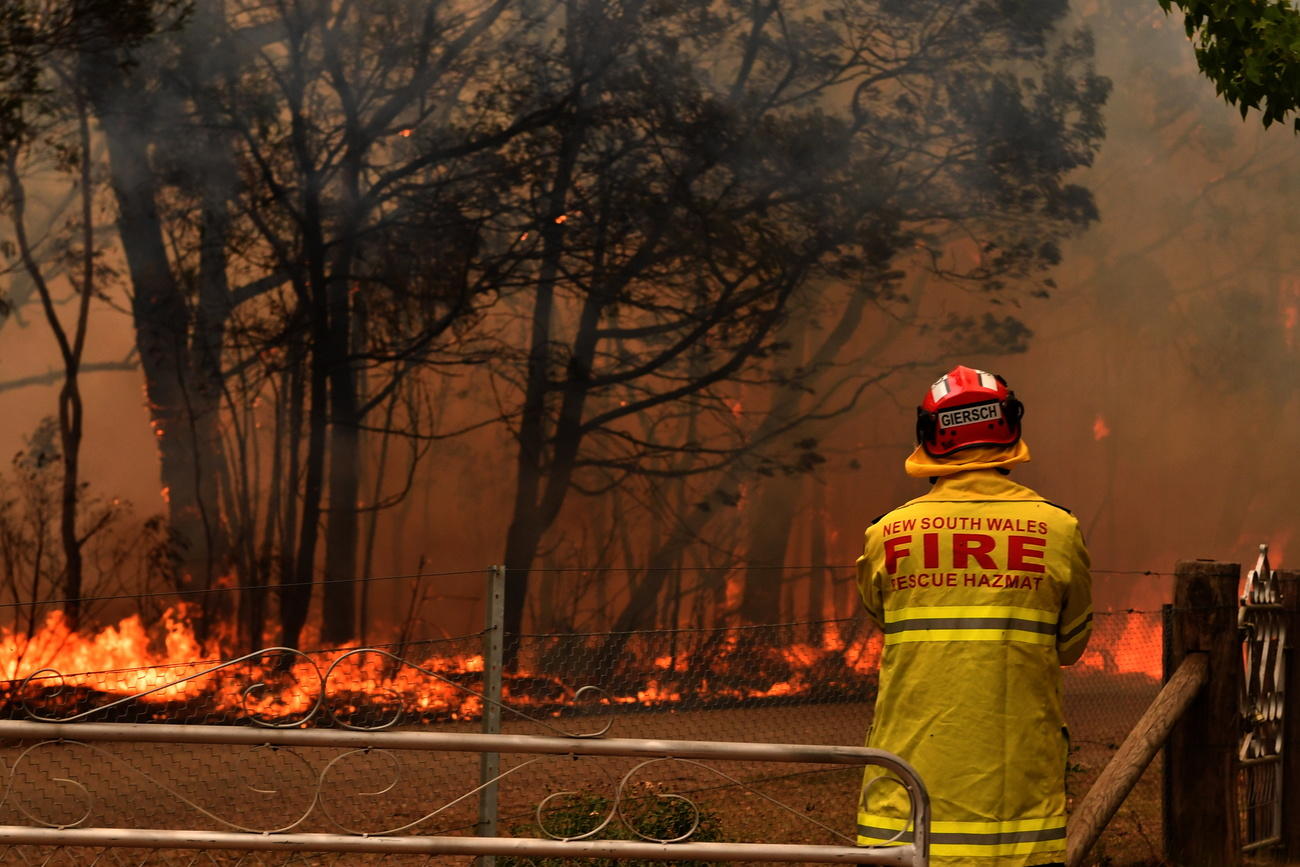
275	782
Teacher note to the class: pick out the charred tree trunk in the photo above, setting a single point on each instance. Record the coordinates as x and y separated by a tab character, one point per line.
646	591
207	342
372	523
533	465
772	517
70	348
339	597
159	311
252	602
817	559
313	287
295	388
295	599
775	512
338	604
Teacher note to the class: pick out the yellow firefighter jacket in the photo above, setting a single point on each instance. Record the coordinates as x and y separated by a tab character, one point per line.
983	591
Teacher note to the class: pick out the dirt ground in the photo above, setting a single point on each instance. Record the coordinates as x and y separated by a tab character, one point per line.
267	789
232	788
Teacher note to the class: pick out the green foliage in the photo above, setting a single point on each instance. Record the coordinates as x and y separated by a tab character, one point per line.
655	816
1250	49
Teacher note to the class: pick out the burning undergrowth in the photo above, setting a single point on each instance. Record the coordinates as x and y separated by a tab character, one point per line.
127	673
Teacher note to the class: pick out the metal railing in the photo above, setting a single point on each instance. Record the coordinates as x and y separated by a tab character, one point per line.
288	837
812	682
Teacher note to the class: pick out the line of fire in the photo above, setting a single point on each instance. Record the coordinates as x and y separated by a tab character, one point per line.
314	316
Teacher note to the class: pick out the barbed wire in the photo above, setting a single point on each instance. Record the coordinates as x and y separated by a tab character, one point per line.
239	588
201	591
791	625
688	629
1131	572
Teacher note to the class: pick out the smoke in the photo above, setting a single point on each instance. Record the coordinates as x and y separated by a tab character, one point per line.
1158	376
1160	380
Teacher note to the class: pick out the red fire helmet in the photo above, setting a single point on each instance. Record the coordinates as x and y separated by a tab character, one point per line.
967	407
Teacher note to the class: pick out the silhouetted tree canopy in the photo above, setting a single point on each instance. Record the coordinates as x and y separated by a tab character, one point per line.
619	213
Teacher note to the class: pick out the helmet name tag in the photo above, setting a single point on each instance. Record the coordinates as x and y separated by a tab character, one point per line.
970	414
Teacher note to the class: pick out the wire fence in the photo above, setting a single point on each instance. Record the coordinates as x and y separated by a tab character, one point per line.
799	682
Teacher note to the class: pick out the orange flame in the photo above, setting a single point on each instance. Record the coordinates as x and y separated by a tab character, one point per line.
1137	650
128	659
1100	430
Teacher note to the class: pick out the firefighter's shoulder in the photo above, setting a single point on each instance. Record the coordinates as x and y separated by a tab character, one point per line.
1058	506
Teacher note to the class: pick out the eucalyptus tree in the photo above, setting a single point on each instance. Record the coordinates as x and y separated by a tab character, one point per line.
305	195
717	165
46	131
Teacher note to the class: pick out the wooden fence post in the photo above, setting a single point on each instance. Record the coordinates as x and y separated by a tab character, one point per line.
1201	825
1290	585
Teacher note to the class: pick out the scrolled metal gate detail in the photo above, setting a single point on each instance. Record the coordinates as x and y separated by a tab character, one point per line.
1262	621
286	837
61	773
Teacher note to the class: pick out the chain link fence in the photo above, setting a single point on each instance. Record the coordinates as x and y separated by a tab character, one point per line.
806	682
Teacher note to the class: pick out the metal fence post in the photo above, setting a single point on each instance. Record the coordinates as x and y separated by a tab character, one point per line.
1201	824
493	645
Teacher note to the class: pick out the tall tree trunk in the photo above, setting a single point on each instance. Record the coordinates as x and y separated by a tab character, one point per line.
295	599
71	348
821	575
312	285
346	341
338	603
159	311
772	514
532	464
372	522
685	530
771	518
207	343
252	602
295	389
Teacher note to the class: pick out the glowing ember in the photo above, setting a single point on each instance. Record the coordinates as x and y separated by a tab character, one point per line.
406	133
1100	430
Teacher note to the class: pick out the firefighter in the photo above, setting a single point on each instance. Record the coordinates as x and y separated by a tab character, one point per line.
983	591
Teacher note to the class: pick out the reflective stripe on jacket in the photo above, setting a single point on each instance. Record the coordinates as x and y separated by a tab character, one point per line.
983	591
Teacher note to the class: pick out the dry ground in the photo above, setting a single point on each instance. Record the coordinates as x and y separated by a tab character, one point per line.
156	786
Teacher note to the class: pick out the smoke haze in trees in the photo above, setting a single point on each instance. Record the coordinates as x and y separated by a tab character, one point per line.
1154	364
